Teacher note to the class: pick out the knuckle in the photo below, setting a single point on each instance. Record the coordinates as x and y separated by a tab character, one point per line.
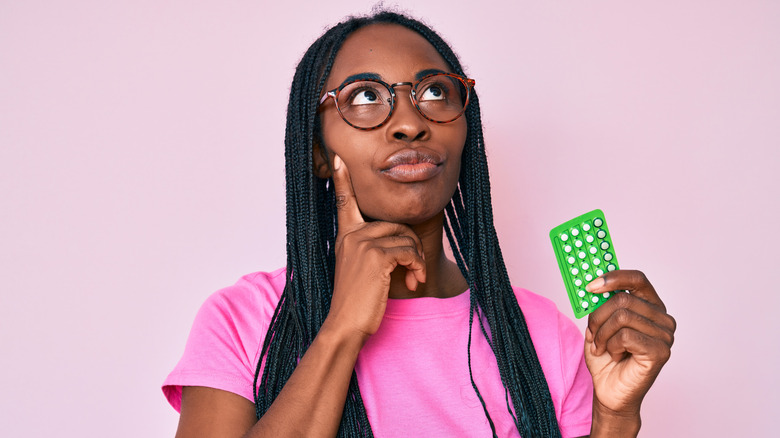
640	277
368	246
372	251
342	200
672	323
623	316
348	239
408	241
592	323
624	335
408	249
622	299
664	355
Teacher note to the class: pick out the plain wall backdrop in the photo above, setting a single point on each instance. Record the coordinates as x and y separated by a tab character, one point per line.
141	169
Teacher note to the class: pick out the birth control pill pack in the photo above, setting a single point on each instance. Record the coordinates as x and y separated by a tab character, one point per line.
583	247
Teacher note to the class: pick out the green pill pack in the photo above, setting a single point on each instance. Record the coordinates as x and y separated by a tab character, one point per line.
583	247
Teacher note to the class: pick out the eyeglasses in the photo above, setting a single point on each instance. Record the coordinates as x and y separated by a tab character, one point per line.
368	103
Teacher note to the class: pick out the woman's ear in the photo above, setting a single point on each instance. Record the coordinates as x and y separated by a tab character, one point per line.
321	162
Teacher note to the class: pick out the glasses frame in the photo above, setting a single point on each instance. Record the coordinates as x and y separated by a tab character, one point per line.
468	84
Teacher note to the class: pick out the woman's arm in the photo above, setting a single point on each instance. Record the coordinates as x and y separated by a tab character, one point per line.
210	412
310	404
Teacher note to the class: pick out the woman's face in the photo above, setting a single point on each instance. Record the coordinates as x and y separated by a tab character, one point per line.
406	170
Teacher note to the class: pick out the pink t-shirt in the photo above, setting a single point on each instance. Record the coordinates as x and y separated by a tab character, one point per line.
413	373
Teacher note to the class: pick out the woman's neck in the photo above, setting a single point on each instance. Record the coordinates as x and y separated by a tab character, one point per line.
443	277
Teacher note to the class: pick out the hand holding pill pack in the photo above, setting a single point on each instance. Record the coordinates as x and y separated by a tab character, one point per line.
583	247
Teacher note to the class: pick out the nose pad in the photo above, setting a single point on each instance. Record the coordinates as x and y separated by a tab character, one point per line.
406	122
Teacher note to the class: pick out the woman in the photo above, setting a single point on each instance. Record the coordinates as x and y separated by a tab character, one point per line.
371	329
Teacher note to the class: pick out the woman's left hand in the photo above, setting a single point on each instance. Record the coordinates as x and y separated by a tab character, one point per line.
627	342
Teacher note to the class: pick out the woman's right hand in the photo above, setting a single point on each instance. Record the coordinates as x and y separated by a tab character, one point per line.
366	255
312	401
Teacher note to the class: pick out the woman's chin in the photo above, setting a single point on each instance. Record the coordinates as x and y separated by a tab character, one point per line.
408	216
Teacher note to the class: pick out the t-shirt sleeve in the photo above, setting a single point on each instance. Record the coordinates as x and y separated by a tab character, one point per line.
576	408
224	344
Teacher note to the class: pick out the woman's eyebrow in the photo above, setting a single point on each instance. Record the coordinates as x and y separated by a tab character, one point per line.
430	71
361	77
377	77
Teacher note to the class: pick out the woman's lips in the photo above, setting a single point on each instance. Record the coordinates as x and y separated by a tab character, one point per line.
412	172
413	165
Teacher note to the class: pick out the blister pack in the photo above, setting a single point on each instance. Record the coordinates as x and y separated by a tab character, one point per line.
584	250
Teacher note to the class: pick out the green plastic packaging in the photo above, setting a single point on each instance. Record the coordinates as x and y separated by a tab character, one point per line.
584	250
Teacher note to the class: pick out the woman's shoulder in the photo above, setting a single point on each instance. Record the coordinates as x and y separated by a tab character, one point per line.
245	307
252	292
265	283
225	341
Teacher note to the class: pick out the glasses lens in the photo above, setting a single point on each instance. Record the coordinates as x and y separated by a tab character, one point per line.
441	98
364	104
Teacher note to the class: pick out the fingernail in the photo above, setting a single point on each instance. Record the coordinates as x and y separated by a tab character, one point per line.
595	284
336	162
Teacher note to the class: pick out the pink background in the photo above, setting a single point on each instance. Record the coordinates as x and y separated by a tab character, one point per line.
141	169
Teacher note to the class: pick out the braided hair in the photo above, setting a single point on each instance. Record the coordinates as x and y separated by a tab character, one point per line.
311	234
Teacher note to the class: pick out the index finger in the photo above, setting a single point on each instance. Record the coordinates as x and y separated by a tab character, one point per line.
633	281
346	203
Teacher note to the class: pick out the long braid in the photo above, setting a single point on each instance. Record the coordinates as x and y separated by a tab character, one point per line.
312	228
311	231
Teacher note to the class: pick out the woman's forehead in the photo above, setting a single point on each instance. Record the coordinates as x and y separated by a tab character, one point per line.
391	51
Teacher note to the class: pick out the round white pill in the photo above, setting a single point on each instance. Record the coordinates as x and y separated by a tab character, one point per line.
586	227
592	250
578	282
585	266
571	260
611	268
581	254
598	222
588	277
575	271
596	261
584	304
567	248
608	256
595	299
589	238
575	232
578	243
581	293
601	234
564	237
599	272
604	245
606	295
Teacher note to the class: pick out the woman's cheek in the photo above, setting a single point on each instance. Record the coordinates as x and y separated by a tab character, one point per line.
368	201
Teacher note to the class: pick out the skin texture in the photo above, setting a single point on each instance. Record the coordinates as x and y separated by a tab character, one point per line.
390	246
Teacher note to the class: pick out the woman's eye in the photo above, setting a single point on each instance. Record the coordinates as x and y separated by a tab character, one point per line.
434	92
366	96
